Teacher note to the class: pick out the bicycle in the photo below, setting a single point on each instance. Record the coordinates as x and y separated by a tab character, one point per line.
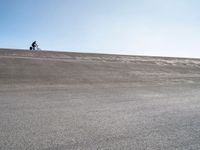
35	48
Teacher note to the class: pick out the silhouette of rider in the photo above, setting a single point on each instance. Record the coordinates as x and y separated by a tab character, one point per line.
34	45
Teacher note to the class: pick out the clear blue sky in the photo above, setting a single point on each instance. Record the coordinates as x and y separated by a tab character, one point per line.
136	27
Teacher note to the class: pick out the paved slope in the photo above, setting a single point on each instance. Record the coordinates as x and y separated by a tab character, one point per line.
57	100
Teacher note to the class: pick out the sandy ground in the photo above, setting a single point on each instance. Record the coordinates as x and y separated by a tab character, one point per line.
67	101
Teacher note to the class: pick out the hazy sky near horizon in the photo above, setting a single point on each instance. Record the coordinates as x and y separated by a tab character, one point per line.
136	27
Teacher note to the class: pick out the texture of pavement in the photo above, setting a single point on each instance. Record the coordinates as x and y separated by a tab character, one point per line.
74	101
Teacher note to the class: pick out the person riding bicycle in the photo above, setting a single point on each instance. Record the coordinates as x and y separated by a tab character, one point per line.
34	45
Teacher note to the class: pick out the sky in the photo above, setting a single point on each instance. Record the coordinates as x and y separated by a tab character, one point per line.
133	27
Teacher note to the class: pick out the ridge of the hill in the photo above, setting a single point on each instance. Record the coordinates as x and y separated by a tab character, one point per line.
47	67
81	55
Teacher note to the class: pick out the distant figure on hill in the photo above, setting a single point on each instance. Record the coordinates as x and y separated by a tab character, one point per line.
34	46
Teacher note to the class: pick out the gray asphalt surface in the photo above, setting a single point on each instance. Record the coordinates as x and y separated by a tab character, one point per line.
68	101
